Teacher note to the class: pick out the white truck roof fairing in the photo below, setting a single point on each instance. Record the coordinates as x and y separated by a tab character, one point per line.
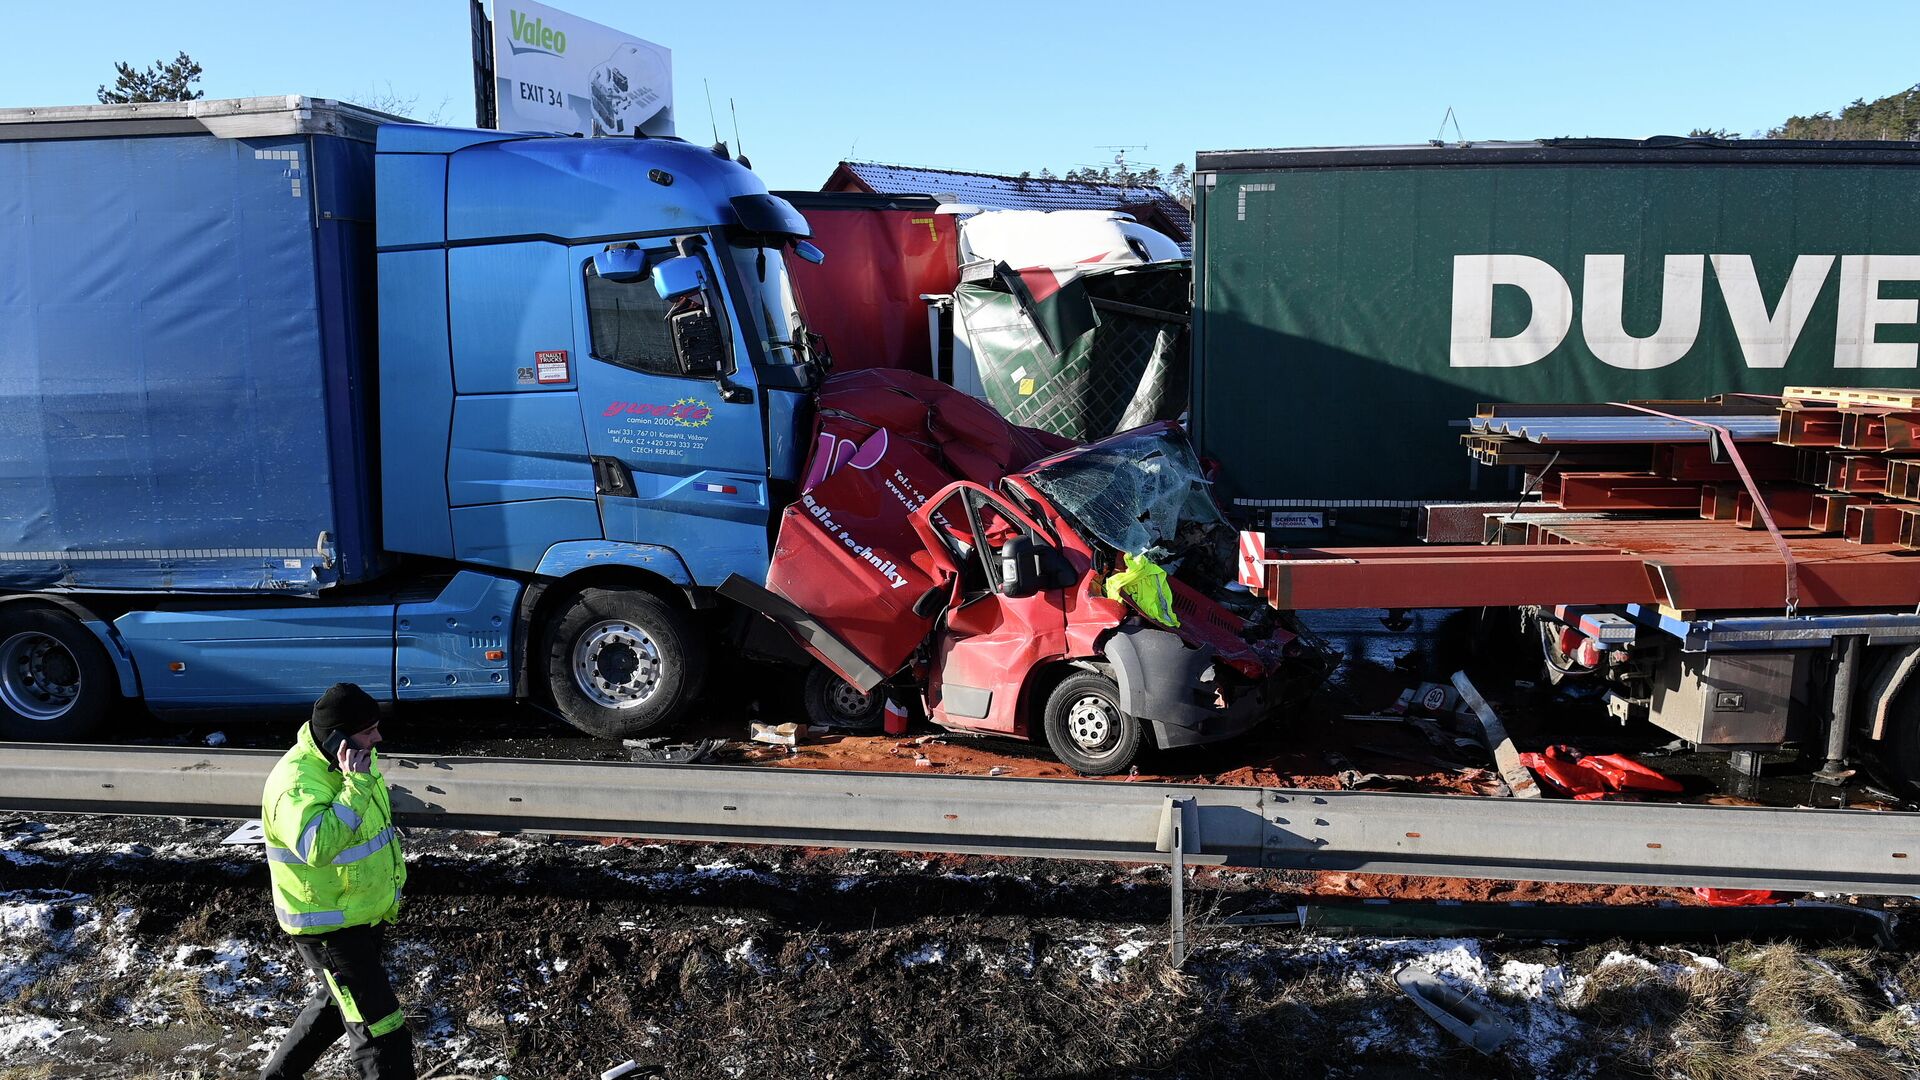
1084	238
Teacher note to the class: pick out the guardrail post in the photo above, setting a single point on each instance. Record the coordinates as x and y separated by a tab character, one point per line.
1173	840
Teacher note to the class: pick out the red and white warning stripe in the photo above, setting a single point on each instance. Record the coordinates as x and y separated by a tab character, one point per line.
1253	554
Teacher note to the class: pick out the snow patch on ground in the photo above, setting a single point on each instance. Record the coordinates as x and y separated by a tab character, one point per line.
59	950
1535	998
41	933
932	952
1105	963
28	1033
749	954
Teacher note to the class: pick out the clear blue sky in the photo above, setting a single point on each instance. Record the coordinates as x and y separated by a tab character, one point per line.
1005	87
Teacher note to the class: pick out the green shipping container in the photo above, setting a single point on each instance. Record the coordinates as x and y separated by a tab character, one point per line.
1352	306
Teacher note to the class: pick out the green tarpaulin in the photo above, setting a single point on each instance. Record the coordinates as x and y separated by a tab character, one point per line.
1130	369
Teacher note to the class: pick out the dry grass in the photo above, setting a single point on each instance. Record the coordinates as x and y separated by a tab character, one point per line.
183	994
1775	1012
1628	996
54	991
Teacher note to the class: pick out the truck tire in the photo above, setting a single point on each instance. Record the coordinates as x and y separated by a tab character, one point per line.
1086	727
833	702
56	682
621	662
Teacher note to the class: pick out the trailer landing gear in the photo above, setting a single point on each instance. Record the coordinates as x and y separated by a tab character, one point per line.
1840	717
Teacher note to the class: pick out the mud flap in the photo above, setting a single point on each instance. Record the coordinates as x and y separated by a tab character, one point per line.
806	630
1159	678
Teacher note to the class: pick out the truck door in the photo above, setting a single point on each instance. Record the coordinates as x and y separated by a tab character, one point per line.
679	461
990	640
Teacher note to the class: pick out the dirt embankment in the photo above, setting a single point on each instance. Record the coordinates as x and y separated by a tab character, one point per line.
141	947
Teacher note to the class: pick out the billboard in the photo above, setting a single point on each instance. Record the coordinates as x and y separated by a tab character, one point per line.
557	72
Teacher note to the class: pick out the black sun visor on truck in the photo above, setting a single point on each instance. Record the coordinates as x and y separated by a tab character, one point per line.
769	214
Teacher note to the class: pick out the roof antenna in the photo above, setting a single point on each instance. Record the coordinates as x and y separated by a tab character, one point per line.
737	144
1438	139
718	146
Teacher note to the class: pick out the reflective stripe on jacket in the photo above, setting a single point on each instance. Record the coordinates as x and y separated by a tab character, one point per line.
333	856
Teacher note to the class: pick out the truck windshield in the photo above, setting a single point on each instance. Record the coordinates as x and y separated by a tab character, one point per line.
770	312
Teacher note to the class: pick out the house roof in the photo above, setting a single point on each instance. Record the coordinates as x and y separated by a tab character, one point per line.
1149	205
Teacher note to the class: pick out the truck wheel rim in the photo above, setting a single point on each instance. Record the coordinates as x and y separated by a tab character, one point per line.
846	700
1092	723
616	664
39	677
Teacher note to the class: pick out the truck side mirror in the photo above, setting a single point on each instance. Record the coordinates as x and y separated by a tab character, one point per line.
680	276
621	264
809	251
1019	567
696	342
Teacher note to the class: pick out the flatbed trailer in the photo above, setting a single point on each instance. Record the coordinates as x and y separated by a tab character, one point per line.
1650	567
1742	629
1719	673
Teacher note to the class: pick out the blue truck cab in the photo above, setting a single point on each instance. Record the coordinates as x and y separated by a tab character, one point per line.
296	395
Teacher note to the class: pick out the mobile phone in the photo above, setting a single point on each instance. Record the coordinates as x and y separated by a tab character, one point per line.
331	748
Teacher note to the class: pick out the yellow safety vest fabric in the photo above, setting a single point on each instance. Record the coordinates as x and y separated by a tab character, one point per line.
333	856
1145	585
350	1010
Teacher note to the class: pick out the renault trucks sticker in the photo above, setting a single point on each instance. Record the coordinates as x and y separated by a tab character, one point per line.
550	365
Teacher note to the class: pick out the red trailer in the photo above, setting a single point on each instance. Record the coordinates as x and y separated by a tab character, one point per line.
883	253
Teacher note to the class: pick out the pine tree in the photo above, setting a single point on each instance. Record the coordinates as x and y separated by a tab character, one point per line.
1176	181
163	80
1179	182
1896	116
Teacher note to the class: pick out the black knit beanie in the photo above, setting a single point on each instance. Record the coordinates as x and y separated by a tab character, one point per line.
344	708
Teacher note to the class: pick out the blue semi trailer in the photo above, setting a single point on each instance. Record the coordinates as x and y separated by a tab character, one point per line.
291	394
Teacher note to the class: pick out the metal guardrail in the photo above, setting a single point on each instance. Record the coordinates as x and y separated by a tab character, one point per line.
1438	835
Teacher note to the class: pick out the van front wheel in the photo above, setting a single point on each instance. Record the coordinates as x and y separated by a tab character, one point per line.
1086	727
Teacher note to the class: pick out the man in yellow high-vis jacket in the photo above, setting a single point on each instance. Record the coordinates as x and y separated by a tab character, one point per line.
334	861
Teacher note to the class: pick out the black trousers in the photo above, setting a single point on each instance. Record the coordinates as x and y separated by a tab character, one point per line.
354	999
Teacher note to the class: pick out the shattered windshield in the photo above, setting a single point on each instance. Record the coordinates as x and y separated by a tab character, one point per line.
1142	493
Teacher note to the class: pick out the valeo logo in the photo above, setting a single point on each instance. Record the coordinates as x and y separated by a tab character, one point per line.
533	35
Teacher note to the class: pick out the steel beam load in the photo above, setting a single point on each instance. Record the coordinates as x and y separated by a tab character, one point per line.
1442	835
1691	565
1742	462
1619	430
